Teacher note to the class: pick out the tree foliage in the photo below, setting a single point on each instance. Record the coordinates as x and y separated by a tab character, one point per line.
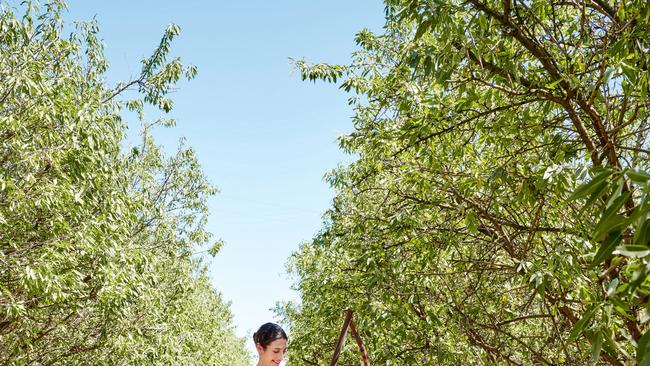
97	241
498	209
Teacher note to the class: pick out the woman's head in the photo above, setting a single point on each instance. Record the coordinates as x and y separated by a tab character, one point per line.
271	344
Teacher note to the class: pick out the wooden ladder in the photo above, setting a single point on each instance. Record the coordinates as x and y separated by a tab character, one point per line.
349	323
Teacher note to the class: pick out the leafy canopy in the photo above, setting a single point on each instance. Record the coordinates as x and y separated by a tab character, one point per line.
97	241
498	209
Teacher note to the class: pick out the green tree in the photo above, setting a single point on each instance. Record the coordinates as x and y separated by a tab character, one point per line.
455	236
98	241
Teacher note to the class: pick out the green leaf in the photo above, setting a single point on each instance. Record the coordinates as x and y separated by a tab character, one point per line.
615	194
638	177
581	324
617	203
642	348
554	84
608	74
596	346
642	235
472	222
595	195
591	186
607	225
422	28
645	361
606	248
629	71
215	247
610	220
610	346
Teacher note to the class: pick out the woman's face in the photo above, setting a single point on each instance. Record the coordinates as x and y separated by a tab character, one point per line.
273	354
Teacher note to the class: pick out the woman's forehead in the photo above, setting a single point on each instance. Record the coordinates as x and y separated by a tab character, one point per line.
278	343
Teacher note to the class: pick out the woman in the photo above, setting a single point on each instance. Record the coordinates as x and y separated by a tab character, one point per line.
271	344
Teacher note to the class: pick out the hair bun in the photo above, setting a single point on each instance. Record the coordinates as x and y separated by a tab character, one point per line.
268	333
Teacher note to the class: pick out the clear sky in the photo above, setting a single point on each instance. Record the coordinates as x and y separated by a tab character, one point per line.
263	137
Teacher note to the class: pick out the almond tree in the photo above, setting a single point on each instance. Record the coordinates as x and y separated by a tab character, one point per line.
497	212
98	241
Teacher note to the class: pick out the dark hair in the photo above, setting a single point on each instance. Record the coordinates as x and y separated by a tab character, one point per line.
268	333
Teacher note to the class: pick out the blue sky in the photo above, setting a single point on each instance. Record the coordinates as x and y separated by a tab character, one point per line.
263	137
